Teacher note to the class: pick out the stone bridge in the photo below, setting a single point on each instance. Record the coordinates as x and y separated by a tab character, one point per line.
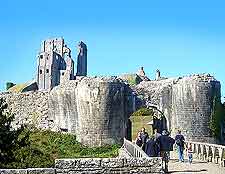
208	158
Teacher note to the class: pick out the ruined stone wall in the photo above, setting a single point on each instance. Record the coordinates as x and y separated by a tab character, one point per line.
29	108
192	106
158	93
93	108
97	109
186	103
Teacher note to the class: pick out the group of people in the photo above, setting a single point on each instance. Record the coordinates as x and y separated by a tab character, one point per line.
161	144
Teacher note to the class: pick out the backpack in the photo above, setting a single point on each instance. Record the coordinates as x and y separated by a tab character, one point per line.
179	142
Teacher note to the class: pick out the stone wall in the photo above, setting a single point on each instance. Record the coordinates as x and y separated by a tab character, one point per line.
186	102
96	166
109	165
192	106
93	108
97	109
29	108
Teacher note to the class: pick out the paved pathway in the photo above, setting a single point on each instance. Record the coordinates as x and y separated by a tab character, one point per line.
198	167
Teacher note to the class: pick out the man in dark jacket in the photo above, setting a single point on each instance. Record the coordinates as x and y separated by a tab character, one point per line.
165	145
180	145
152	148
144	137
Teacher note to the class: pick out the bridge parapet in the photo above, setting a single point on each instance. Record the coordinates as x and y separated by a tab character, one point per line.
134	150
209	152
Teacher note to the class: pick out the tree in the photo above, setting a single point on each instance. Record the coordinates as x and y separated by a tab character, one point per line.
10	139
217	117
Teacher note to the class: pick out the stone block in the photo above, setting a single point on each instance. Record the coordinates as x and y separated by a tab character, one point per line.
41	171
13	171
112	162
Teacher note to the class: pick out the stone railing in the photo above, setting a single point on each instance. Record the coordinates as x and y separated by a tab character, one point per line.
134	150
208	152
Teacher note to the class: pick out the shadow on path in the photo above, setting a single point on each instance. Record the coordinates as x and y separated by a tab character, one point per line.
179	171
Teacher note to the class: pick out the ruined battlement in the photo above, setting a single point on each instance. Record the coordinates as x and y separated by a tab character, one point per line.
97	109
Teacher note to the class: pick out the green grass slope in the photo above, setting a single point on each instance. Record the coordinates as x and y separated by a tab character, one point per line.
45	146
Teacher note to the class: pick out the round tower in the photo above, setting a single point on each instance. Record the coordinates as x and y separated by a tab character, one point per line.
192	99
101	113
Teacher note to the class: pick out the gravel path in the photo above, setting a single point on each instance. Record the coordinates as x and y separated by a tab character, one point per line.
196	167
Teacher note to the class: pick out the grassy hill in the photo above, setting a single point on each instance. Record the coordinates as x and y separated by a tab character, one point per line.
45	146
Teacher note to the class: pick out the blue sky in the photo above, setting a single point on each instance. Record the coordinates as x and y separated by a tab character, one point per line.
177	37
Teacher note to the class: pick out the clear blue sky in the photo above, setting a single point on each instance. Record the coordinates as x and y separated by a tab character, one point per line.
177	37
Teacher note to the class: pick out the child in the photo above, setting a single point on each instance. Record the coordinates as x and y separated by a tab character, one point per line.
189	153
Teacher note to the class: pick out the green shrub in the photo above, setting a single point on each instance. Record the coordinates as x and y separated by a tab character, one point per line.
10	140
217	117
143	112
46	146
9	85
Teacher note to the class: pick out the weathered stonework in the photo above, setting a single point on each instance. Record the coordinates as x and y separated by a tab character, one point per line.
97	109
109	165
92	108
30	108
186	102
96	166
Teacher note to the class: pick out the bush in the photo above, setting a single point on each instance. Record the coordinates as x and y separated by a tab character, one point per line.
10	140
143	112
9	85
46	146
217	117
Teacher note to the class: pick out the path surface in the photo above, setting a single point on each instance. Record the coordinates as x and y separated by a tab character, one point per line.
198	167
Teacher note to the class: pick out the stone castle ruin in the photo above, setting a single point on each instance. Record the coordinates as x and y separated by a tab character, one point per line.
55	64
97	109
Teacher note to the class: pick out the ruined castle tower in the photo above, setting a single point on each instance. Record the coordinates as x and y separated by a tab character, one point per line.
82	59
54	64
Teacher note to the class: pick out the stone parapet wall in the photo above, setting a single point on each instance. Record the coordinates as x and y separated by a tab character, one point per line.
29	171
109	165
96	166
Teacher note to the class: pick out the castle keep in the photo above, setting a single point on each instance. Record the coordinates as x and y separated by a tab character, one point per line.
55	64
97	109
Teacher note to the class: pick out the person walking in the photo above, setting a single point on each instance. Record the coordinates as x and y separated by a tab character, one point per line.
179	139
156	134
144	137
189	153
138	140
166	145
151	148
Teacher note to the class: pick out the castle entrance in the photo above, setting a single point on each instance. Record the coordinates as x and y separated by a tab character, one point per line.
150	118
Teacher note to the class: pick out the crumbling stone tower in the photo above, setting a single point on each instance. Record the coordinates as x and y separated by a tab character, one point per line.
55	64
82	59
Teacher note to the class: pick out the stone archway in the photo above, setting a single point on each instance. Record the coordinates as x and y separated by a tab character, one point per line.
142	117
161	122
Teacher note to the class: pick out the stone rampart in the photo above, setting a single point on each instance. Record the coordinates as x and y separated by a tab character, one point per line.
186	102
97	109
93	108
29	108
192	106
